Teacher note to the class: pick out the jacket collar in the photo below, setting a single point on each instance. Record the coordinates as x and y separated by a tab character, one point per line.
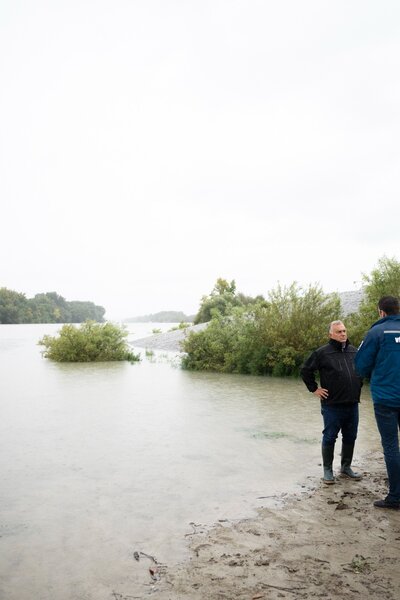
388	318
338	345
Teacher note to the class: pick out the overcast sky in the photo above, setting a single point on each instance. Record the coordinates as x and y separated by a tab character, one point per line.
149	147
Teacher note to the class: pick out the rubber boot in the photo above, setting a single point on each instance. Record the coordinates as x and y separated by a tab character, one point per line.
347	457
327	461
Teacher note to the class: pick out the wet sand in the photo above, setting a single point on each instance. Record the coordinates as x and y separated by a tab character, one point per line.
325	542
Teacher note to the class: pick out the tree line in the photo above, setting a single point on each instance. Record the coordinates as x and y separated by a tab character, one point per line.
164	316
48	307
273	335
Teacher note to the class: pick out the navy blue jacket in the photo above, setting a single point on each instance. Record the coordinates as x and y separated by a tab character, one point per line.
378	358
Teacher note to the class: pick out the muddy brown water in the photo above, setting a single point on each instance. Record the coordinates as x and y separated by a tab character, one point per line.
101	460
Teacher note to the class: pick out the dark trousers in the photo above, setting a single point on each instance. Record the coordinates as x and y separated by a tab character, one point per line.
340	417
388	421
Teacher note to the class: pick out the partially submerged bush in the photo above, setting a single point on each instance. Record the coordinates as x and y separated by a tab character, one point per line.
92	342
182	325
270	337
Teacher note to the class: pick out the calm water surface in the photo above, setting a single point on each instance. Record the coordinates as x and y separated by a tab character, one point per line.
99	460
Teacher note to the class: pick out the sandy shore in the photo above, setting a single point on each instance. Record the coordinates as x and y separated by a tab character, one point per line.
327	542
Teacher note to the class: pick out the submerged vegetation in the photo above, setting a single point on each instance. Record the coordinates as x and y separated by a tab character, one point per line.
92	342
273	335
269	336
181	325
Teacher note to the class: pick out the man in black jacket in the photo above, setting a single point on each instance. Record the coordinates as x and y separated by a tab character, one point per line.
339	391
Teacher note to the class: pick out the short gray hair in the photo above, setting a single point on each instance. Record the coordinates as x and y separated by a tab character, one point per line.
334	323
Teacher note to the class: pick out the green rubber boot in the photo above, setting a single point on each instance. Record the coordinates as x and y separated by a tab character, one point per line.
347	457
327	461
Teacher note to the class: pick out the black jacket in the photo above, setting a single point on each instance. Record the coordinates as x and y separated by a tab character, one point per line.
335	364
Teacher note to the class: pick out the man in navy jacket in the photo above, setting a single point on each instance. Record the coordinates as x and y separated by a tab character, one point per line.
378	358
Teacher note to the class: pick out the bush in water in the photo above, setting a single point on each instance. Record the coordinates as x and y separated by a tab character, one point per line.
272	336
92	342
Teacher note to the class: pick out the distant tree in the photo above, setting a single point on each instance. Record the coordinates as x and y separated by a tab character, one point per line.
164	316
82	311
222	286
221	300
49	307
14	307
92	342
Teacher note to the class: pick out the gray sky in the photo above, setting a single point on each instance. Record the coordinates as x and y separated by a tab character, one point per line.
149	147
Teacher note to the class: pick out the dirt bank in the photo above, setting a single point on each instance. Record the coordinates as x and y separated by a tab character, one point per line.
328	542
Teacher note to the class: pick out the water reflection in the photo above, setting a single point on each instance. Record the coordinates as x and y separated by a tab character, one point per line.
98	460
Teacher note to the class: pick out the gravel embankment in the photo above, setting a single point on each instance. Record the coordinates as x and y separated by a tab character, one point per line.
169	341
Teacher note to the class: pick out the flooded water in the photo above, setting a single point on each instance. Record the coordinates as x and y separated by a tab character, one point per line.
100	460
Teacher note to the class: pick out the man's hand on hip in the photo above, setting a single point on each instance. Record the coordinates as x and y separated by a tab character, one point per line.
322	393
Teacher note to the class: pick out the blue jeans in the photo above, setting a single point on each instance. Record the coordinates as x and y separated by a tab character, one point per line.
340	417
388	421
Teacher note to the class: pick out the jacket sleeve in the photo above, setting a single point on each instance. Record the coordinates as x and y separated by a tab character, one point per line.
366	355
308	370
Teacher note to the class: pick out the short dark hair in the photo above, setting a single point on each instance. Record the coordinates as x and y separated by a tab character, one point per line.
389	305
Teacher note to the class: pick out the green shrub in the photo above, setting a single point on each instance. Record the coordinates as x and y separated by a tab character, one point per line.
267	337
92	342
182	325
384	280
223	299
